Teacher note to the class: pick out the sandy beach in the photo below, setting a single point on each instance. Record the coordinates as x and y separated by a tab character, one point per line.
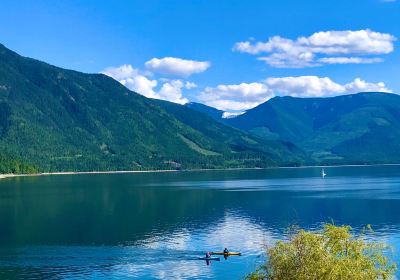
3	176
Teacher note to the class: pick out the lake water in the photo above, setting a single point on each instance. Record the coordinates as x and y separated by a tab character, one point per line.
155	225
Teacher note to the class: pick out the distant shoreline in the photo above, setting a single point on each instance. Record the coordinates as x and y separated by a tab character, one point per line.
4	176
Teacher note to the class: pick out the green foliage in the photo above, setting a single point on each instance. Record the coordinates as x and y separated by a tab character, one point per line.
351	129
333	253
207	110
5	113
62	120
10	165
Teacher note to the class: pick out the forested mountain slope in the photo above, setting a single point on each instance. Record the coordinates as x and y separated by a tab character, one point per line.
358	128
58	120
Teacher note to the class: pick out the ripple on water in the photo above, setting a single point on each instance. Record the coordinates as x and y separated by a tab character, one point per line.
155	227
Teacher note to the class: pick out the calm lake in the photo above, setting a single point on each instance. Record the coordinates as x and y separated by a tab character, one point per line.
155	225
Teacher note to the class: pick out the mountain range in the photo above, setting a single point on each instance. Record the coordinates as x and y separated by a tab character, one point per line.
361	128
52	119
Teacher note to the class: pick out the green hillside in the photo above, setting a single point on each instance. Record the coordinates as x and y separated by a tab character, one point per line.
210	111
59	120
282	152
360	128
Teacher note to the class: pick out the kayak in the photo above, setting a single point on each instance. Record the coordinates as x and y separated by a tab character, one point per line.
227	254
209	259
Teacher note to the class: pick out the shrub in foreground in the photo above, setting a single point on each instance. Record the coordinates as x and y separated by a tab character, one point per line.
333	253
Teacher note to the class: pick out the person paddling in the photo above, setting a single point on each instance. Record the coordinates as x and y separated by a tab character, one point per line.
226	253
208	255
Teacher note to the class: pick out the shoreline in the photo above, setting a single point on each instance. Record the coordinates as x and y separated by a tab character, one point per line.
4	176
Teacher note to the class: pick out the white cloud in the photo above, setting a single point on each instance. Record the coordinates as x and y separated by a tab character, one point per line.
235	97
142	85
132	78
349	42
348	60
248	95
359	85
304	86
177	66
172	91
121	73
190	85
349	45
313	86
231	104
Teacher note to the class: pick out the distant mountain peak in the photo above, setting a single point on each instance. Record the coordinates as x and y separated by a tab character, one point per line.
63	120
351	128
231	115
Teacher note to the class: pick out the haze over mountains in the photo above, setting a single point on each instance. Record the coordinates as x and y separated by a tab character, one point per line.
55	120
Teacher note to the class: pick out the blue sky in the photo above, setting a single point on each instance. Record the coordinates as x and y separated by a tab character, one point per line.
189	50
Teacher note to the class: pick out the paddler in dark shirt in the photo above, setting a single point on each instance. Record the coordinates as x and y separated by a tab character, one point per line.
226	253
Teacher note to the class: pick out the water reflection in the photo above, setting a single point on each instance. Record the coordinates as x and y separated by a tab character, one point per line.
171	256
156	225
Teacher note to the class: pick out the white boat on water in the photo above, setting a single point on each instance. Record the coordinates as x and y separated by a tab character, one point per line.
323	174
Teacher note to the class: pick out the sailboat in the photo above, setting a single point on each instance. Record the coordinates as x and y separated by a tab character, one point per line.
323	174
